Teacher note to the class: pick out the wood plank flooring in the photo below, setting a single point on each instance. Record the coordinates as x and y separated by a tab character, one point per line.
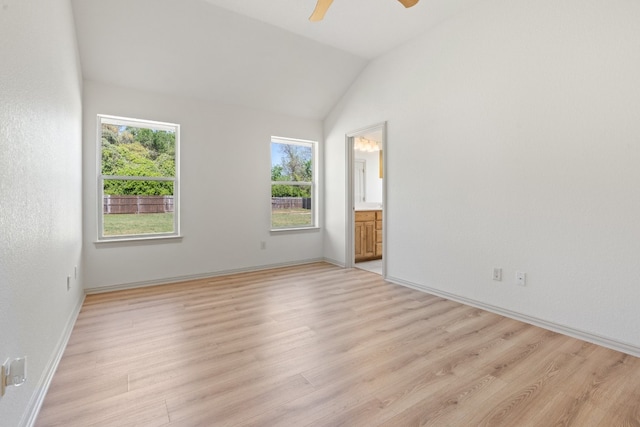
318	345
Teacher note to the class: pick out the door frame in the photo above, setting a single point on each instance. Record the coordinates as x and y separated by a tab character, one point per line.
350	205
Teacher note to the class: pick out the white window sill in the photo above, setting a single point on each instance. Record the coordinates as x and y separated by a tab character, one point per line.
138	239
295	230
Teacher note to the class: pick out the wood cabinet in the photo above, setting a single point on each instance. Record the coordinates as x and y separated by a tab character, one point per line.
378	234
368	235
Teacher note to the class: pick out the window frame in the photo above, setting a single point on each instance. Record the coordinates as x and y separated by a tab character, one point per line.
313	183
145	124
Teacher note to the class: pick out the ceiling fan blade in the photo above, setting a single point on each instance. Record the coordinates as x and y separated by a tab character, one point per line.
320	10
408	3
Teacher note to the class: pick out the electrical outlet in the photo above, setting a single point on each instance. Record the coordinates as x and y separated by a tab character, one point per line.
17	374
263	245
521	278
497	274
13	373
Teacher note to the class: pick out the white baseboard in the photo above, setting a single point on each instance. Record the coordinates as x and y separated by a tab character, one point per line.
168	280
334	262
35	403
563	329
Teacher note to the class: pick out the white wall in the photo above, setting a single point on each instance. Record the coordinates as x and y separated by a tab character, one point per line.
513	142
225	191
40	190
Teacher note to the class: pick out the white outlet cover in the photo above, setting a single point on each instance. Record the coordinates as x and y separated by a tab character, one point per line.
18	372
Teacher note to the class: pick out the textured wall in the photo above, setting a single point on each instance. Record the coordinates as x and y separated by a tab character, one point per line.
40	189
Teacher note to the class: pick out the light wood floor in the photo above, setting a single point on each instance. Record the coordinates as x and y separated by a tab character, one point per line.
323	346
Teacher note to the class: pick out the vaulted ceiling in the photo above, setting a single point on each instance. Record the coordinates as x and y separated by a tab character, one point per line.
261	54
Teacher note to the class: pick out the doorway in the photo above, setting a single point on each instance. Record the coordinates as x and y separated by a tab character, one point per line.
366	199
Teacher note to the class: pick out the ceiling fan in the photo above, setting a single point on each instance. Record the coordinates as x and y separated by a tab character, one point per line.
323	5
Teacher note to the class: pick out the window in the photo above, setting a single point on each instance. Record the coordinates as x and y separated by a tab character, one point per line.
137	178
293	186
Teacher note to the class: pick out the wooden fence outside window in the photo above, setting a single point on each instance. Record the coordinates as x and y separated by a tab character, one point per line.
290	203
137	204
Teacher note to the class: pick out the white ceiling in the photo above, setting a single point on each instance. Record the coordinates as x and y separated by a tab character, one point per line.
367	28
262	54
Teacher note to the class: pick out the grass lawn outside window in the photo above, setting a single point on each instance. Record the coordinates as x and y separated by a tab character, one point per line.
127	224
291	218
